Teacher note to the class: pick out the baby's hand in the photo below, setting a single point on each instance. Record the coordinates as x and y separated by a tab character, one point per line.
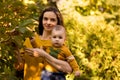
77	73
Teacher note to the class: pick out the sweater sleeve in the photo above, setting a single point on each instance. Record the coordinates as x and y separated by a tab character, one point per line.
73	63
71	60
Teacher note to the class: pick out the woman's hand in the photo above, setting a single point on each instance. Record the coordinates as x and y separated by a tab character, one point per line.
36	52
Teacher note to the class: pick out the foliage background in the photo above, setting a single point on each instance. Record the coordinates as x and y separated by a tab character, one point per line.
92	28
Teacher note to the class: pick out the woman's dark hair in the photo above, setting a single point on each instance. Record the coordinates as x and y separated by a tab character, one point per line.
58	14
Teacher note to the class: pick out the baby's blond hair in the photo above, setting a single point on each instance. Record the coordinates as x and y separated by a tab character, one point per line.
59	27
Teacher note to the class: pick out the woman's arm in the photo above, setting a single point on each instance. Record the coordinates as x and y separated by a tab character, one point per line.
58	64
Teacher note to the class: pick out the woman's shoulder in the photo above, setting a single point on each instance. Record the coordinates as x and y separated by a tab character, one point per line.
41	42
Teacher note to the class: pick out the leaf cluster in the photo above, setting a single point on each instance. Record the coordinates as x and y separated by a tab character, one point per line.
17	21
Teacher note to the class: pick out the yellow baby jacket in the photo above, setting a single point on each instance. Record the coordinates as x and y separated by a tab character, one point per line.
62	53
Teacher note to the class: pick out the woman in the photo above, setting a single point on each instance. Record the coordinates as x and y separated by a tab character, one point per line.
33	64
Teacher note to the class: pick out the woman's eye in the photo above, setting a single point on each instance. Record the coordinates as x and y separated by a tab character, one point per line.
45	18
53	20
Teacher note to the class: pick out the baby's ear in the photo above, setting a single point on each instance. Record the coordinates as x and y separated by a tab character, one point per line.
65	39
50	37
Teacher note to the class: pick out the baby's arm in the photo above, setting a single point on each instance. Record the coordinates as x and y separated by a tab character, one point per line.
71	60
77	73
73	63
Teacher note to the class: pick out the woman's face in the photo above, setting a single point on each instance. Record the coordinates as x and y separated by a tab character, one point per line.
49	20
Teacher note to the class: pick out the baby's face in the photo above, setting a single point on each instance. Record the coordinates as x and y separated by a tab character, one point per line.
58	38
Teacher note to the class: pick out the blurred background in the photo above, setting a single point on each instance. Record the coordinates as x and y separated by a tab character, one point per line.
93	34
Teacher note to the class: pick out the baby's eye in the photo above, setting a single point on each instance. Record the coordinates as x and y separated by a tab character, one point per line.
54	36
60	37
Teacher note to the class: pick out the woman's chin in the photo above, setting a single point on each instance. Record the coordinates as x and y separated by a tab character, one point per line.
49	30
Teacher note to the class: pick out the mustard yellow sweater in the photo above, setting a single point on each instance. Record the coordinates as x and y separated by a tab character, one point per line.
33	65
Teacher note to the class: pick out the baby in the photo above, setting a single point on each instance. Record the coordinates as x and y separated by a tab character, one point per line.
59	51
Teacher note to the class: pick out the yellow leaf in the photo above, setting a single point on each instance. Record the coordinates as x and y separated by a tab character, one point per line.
27	43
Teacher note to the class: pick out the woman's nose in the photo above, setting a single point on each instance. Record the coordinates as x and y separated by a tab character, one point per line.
48	21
